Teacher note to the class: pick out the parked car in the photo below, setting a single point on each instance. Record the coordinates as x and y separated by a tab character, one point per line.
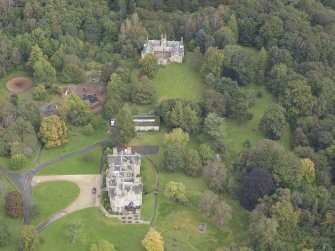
94	191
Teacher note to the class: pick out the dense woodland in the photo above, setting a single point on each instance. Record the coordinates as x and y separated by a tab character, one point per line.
290	193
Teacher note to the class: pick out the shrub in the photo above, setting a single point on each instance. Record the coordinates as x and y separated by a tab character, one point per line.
39	92
17	161
35	211
88	129
57	89
175	191
249	115
14	204
4	234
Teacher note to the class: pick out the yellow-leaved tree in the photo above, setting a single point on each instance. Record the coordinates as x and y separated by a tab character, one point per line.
153	241
53	131
307	172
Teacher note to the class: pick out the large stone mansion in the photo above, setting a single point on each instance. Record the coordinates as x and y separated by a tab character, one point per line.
123	181
165	51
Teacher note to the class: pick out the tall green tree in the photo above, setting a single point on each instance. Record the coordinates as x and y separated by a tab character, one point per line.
143	92
286	171
298	99
77	110
215	127
212	62
176	137
149	65
124	125
44	72
132	36
174	158
193	163
183	115
273	121
117	88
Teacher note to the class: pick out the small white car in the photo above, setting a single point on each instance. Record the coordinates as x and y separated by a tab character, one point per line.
112	122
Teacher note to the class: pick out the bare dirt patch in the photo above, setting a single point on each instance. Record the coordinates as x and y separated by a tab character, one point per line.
91	91
19	84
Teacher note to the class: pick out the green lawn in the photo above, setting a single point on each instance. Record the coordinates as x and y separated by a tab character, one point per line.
14	225
174	81
148	175
95	227
3	91
147	209
85	163
53	196
182	222
237	135
178	81
77	141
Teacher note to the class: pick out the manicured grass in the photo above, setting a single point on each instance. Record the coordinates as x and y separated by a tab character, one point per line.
14	225
237	135
147	209
178	81
95	227
77	141
182	222
148	175
173	81
3	91
51	197
85	163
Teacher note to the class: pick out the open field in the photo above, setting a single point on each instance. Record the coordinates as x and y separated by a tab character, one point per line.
182	222
95	227
174	81
237	135
14	225
85	163
178	81
51	197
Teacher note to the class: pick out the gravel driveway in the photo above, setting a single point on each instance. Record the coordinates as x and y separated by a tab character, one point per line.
85	183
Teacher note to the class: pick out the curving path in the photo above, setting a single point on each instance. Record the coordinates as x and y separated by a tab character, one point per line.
23	180
85	198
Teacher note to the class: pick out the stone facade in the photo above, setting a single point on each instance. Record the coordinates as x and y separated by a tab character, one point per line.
123	181
165	51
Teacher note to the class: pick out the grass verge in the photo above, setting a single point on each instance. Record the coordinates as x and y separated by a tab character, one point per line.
85	163
51	197
14	225
77	141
